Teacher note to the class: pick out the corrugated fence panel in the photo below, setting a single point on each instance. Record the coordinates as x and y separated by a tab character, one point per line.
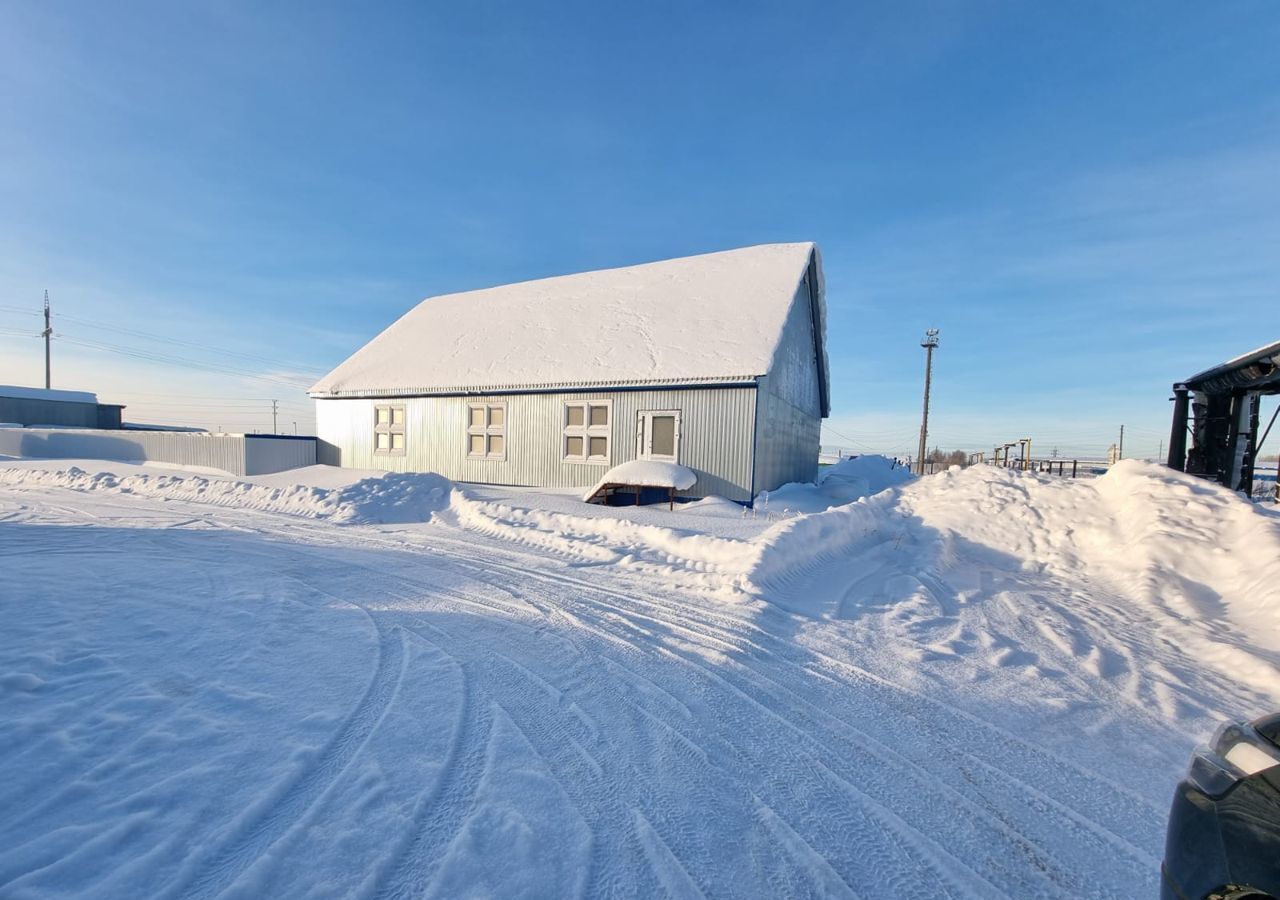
715	437
223	452
265	453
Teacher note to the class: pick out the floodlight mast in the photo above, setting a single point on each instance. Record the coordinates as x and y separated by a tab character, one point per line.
929	342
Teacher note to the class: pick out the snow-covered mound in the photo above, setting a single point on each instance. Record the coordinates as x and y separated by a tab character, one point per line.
862	476
647	473
837	485
391	498
1142	530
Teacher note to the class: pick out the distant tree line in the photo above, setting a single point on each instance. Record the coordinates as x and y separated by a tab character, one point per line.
942	459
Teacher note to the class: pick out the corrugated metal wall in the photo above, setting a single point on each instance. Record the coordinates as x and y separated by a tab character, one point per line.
222	452
788	417
715	437
34	411
787	442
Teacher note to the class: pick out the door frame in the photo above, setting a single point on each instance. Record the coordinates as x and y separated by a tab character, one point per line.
644	437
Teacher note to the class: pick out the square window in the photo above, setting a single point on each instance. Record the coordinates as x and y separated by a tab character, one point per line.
486	430
586	431
662	436
388	429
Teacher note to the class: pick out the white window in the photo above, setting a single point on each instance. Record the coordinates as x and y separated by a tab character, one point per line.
388	430
487	430
586	431
659	434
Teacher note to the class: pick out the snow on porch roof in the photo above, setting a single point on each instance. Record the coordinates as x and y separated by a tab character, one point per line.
715	317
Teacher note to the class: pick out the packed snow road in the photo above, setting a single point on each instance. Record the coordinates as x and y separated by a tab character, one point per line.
210	700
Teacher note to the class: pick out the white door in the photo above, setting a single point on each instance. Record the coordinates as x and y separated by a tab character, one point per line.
659	434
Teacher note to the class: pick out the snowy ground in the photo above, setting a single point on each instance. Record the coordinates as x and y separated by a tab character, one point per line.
981	683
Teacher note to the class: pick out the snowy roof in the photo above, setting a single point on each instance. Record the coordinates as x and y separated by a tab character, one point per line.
1256	370
28	393
709	318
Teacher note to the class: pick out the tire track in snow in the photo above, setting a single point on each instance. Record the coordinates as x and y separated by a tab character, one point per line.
613	615
889	764
440	814
264	823
743	725
615	621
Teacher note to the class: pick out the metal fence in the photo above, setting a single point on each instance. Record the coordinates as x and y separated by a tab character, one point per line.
235	454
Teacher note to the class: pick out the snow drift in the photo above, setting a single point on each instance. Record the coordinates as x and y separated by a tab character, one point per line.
845	482
1163	538
388	499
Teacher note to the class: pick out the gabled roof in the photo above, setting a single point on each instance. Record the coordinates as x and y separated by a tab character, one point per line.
701	319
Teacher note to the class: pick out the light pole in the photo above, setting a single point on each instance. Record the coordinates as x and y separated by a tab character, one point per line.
929	343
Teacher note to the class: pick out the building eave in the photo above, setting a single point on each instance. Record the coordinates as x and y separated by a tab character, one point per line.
711	383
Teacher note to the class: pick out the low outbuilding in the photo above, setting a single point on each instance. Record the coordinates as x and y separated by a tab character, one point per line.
63	409
1218	409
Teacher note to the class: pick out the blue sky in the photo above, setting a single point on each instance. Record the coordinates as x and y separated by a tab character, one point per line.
1084	198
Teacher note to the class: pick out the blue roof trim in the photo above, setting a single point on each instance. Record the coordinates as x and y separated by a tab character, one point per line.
622	389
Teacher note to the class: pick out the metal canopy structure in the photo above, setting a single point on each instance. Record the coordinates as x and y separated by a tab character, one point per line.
1219	409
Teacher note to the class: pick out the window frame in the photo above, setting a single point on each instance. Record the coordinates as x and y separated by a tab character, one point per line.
391	428
487	430
586	431
644	437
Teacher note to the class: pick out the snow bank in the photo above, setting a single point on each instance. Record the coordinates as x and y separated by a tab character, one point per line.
844	482
647	473
387	499
1170	542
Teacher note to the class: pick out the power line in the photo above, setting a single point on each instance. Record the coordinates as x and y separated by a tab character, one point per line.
145	335
220	351
284	380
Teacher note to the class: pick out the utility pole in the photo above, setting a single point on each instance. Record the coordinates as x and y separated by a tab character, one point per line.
1120	451
929	343
274	408
47	334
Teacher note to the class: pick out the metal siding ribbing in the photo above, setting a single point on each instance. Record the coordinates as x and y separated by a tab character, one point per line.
715	438
786	442
224	452
264	455
789	423
33	411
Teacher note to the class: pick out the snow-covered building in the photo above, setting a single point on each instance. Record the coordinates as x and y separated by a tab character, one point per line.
66	409
717	362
